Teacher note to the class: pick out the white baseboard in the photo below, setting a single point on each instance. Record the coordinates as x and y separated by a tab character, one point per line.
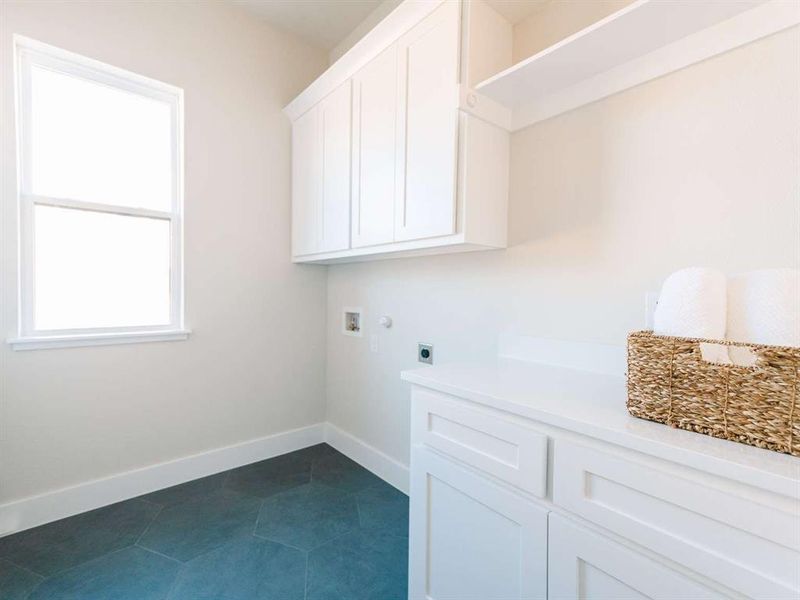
385	467
37	510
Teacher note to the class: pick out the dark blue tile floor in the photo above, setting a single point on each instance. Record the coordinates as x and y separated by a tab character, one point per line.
309	525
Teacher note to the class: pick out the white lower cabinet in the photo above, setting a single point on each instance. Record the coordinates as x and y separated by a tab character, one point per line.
471	539
586	565
741	536
505	507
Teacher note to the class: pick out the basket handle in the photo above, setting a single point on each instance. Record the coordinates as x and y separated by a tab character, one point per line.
734	355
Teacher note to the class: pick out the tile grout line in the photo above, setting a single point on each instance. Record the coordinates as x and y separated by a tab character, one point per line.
358	509
227	477
23	568
173	584
157	553
305	581
284	544
145	500
149	525
258	516
88	562
13	564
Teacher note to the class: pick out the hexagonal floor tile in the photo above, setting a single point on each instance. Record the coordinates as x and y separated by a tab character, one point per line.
384	508
63	544
272	476
316	452
307	516
340	472
183	531
130	574
16	583
186	491
360	565
248	568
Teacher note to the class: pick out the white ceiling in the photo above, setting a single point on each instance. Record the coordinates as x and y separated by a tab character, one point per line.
322	23
325	23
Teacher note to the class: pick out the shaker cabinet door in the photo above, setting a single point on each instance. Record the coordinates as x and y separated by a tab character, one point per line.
471	539
306	182
428	67
374	141
336	128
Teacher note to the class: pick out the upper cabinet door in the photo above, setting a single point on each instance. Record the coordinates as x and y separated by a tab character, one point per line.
336	128
306	182
428	121
375	112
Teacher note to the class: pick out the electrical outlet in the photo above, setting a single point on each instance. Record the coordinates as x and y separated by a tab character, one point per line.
650	302
425	353
373	342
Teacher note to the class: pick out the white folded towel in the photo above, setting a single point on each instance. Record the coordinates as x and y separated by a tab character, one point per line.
693	303
764	307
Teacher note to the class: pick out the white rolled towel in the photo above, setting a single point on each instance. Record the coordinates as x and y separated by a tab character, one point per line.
764	307
693	303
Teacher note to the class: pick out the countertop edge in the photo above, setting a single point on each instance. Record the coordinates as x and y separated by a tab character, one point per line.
695	459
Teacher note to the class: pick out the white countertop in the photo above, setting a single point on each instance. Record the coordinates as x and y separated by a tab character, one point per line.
594	405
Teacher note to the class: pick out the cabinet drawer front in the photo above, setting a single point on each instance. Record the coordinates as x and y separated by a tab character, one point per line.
471	539
506	450
584	564
742	537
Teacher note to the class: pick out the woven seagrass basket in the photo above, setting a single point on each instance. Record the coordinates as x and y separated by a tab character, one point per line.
670	382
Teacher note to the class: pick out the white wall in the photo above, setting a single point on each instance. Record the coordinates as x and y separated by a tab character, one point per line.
362	29
556	20
255	363
696	168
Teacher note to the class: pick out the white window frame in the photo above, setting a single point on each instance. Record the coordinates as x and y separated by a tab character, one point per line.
29	52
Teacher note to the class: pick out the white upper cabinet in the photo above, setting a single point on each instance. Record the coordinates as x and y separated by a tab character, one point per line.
374	150
321	176
336	128
306	183
428	166
435	95
428	123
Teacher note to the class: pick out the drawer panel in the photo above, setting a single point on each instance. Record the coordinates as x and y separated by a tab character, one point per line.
503	448
584	564
742	537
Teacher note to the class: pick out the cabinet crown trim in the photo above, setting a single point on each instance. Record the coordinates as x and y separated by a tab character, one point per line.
398	22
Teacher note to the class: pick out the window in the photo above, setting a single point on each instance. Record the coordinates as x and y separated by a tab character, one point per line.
100	202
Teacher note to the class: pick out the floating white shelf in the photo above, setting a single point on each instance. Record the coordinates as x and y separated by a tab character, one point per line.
646	39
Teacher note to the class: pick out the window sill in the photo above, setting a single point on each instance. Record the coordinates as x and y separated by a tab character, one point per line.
96	339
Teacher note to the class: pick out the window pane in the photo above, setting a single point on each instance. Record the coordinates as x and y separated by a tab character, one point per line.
99	270
95	143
